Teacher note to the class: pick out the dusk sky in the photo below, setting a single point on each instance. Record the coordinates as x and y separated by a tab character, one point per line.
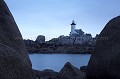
52	18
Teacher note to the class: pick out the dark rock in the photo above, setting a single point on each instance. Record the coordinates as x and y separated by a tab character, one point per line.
83	68
105	61
9	32
40	39
72	72
48	70
49	75
67	72
13	65
14	60
29	42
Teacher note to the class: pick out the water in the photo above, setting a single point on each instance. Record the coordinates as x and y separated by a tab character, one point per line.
57	61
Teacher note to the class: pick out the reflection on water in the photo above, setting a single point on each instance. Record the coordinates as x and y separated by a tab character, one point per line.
57	61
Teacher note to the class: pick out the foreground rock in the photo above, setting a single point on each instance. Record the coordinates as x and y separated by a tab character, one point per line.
14	60
105	61
9	32
72	72
83	68
49	74
67	72
13	65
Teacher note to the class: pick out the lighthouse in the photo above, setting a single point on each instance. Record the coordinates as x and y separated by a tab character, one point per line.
73	27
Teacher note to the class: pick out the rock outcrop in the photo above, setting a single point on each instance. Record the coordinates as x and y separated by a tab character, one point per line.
13	65
72	72
9	32
83	68
14	60
40	39
75	39
105	61
44	48
48	74
67	72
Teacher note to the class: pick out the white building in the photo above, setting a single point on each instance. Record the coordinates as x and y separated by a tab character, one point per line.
73	28
75	31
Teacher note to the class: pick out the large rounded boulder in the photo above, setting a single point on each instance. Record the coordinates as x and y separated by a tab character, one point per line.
9	32
14	60
105	61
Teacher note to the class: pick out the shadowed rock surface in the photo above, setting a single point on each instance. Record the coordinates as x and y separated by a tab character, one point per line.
9	32
14	60
72	72
67	72
49	74
83	68
105	61
13	65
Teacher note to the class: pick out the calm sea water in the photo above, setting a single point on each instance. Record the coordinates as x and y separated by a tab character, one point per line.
57	61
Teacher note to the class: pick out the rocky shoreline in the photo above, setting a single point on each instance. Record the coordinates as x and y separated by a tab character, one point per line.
44	48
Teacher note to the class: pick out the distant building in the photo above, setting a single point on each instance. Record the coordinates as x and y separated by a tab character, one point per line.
74	30
73	26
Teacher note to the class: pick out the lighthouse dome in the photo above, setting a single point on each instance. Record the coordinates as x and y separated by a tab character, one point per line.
73	23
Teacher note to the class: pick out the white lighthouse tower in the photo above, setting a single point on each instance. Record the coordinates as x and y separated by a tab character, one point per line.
73	27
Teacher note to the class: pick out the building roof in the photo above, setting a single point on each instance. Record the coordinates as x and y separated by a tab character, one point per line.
73	23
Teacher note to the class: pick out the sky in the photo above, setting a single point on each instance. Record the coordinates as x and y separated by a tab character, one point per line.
52	18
